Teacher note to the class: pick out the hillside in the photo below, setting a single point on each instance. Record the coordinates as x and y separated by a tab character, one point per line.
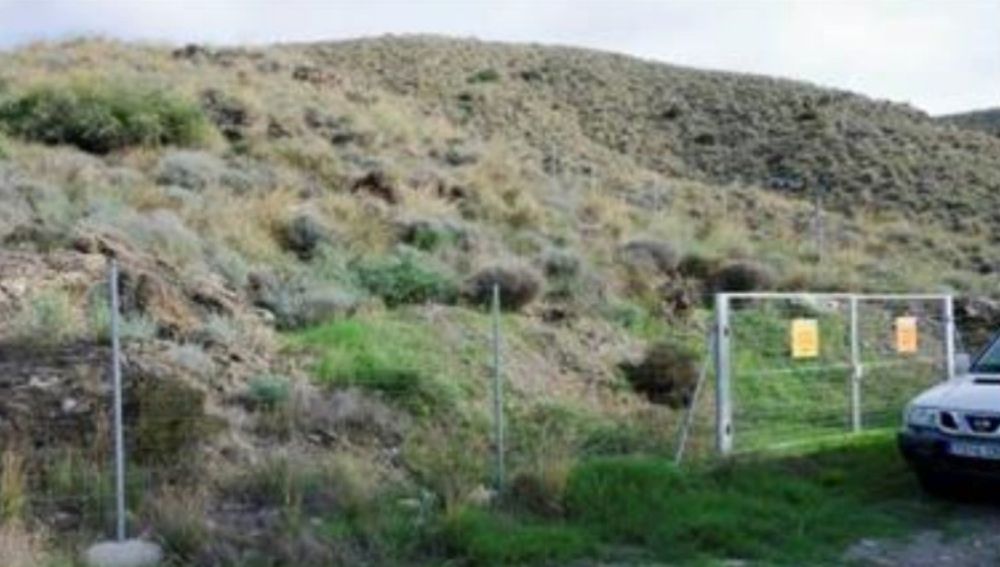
309	236
983	120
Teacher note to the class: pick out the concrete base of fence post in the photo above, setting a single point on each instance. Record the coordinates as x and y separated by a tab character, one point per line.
128	553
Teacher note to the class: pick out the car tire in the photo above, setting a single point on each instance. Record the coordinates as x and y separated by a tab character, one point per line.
935	483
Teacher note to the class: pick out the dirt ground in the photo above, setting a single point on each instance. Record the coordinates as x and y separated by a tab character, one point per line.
974	540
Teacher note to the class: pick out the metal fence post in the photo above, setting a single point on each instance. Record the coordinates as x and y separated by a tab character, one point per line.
857	370
688	422
498	417
119	432
723	401
949	337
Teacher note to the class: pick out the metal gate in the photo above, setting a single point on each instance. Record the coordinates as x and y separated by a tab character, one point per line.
796	368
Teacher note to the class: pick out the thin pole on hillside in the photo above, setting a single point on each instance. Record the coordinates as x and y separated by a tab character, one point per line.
119	431
819	225
685	430
498	421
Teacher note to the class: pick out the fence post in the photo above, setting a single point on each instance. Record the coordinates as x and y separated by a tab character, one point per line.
857	370
119	432
685	430
723	401
498	421
949	337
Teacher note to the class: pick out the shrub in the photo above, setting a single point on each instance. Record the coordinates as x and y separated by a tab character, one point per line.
168	417
191	357
163	232
742	275
135	326
661	256
303	234
451	460
268	391
46	318
407	278
3	146
297	304
485	76
179	518
230	114
519	286
666	375
697	266
189	169
429	234
539	492
561	265
101	117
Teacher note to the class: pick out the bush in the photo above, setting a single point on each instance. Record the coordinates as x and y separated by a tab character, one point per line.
407	278
102	117
661	256
47	317
519	286
167	417
697	266
485	76
742	275
561	265
303	234
297	305
3	146
429	234
268	392
190	170
667	374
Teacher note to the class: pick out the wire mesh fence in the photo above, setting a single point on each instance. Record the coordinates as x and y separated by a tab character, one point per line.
862	359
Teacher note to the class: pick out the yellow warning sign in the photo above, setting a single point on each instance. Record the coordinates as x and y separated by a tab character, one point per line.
805	338
906	335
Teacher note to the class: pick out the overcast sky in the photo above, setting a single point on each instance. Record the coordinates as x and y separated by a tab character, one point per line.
942	56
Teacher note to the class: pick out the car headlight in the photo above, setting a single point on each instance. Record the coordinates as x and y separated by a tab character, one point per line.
922	416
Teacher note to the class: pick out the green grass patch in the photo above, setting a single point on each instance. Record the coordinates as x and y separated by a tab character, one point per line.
803	509
400	359
484	538
101	117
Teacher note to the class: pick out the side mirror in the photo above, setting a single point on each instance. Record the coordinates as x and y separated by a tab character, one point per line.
962	363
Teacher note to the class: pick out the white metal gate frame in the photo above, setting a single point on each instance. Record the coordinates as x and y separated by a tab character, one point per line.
721	344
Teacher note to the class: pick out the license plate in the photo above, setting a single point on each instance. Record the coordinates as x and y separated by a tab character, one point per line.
975	450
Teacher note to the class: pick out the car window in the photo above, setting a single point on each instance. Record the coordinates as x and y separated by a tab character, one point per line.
989	361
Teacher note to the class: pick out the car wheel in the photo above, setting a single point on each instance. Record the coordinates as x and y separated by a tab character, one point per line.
935	483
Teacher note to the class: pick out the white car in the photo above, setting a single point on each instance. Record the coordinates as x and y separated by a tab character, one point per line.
952	431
